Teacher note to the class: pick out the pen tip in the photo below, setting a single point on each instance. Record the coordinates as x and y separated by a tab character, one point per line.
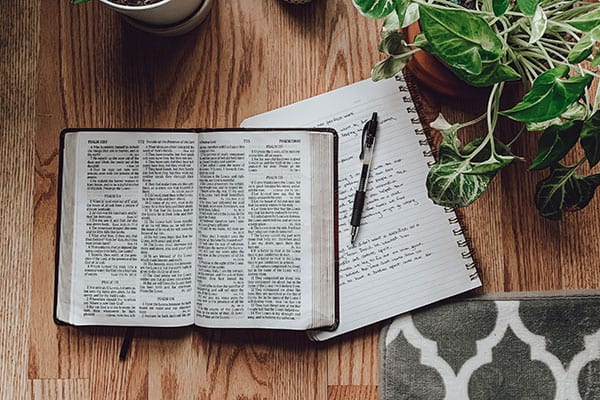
374	117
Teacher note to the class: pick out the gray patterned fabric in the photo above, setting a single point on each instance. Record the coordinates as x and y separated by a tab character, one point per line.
539	346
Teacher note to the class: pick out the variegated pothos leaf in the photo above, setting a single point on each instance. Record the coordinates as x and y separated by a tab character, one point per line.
461	175
375	8
564	189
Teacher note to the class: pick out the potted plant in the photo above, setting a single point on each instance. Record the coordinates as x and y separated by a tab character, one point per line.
549	46
167	17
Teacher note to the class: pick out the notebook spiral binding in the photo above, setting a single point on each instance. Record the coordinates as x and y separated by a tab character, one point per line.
463	242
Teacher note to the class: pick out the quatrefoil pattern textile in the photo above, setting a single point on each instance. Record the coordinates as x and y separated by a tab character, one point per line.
540	347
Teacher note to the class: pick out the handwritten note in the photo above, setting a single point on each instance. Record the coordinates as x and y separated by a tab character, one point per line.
406	255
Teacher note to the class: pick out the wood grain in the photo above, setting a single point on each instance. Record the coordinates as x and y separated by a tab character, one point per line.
59	389
18	52
69	66
352	392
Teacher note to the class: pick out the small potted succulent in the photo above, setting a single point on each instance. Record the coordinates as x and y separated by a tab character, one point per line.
167	17
550	46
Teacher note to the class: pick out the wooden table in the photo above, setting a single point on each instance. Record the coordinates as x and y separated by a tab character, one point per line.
83	66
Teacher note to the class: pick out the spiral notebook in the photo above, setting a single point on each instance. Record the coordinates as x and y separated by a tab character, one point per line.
409	252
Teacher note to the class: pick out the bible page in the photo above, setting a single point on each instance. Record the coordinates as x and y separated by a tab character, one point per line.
406	254
254	236
132	239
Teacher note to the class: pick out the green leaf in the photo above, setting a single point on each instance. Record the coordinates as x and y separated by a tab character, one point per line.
492	72
550	96
573	13
392	44
375	8
555	143
460	38
590	139
500	7
467	44
387	68
421	42
595	34
401	7
564	188
587	21
550	193
581	50
459	177
450	143
538	22
596	60
484	161
528	7
441	124
448	185
575	111
491	165
411	15
579	191
391	23
449	140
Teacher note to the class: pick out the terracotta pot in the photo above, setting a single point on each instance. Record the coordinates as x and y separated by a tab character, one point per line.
435	75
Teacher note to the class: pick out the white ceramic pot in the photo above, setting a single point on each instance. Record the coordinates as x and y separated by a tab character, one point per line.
163	13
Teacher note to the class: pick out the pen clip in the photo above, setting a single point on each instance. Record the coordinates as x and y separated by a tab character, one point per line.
368	134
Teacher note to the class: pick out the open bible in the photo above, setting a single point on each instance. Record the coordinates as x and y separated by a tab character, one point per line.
217	228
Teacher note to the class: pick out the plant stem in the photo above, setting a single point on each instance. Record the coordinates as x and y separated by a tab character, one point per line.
558	5
508	29
550	59
573	10
515	14
546	56
492	113
534	58
565	49
448	5
564	28
596	101
587	89
517	63
408	53
560	41
491	121
473	121
578	164
523	129
530	69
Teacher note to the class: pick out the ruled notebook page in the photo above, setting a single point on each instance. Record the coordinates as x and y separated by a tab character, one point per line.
406	254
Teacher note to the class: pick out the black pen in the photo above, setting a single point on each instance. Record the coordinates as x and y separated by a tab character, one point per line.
366	155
